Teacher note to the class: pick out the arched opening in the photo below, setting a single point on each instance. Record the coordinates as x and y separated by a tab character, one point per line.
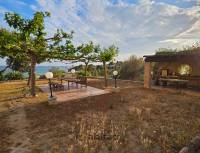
185	69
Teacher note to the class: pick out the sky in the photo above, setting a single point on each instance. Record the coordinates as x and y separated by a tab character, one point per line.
137	27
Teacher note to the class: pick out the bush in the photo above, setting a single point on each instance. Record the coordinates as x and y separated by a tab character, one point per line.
82	73
1	77
132	69
13	75
57	72
42	77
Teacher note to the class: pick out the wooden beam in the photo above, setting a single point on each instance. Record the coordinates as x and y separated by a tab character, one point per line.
147	75
170	58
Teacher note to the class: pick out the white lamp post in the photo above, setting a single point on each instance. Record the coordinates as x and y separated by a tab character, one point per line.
73	71
49	75
114	61
115	73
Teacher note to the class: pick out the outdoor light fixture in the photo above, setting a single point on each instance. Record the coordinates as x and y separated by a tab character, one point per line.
114	61
115	73
49	75
73	71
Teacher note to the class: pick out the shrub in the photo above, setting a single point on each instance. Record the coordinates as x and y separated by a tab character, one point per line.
1	77
132	69
57	72
82	73
42	77
13	75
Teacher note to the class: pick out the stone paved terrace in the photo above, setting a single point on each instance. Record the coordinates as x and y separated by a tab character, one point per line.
74	92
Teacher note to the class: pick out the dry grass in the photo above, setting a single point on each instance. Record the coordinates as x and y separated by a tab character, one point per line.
135	120
14	94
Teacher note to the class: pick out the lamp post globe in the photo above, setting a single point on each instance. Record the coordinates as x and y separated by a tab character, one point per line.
73	71
115	73
114	61
49	75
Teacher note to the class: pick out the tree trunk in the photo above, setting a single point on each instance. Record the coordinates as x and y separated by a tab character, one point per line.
105	74
33	64
29	78
86	67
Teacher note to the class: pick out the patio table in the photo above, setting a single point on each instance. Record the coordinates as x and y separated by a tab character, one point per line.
72	80
80	80
178	82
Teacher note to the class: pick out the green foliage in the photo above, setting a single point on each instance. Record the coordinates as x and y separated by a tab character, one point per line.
165	51
88	51
29	38
108	54
28	42
189	49
92	70
1	77
13	75
57	73
18	65
132	69
82	73
99	70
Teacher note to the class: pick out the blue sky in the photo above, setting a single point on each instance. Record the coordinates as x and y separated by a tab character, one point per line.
137	27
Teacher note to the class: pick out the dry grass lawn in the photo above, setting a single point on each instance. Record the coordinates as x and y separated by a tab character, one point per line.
135	120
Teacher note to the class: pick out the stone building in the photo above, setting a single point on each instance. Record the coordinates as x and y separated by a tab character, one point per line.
176	67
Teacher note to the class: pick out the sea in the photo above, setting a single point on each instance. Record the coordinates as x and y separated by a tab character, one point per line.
41	70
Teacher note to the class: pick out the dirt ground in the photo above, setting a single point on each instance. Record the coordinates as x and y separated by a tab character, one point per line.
133	120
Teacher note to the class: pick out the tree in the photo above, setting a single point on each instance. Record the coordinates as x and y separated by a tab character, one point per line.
18	65
133	68
89	54
107	55
28	41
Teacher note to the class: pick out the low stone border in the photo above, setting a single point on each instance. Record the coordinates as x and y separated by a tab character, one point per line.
193	147
52	101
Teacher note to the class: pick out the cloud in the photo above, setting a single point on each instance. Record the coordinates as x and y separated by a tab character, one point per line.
33	7
20	2
137	28
3	10
146	1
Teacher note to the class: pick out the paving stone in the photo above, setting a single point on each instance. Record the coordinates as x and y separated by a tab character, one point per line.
74	93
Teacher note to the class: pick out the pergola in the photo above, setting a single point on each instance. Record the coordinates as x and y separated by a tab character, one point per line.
191	58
